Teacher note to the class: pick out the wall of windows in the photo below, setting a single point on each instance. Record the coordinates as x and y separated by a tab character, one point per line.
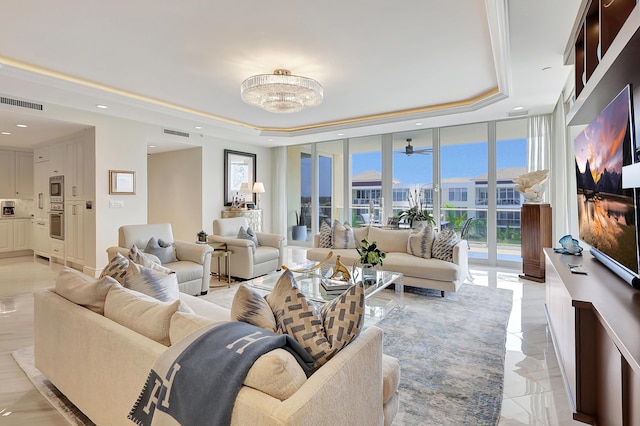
457	173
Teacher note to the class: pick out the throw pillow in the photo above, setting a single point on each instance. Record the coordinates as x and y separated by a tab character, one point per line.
342	236
276	373
420	242
117	268
164	251
147	259
443	244
250	307
157	284
140	313
325	236
83	290
248	234
299	317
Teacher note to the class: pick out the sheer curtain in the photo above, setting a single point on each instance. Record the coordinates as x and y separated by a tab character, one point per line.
279	196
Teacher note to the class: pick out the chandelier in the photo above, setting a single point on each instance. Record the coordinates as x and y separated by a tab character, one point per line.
281	91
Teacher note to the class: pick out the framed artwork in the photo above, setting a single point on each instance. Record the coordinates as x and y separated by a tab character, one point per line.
122	182
239	169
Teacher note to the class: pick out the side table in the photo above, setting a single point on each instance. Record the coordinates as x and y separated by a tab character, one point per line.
219	251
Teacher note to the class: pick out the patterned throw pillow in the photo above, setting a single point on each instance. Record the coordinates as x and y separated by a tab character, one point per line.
117	268
248	234
321	332
147	259
420	242
83	290
250	307
325	236
342	236
443	245
164	251
157	284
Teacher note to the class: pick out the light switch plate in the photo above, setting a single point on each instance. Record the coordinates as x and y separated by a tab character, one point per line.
116	204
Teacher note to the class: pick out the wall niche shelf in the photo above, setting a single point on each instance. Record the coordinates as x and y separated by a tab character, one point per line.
606	52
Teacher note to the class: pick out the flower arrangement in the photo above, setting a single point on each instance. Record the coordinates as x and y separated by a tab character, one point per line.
370	254
416	211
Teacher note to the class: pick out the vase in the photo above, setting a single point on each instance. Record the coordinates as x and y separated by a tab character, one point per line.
369	273
299	232
418	223
202	238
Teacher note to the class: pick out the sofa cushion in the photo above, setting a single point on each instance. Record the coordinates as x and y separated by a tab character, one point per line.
276	373
390	240
116	268
186	270
390	377
430	269
361	233
342	235
299	317
184	323
164	251
140	313
251	307
325	236
264	254
159	284
83	290
420	242
444	243
248	234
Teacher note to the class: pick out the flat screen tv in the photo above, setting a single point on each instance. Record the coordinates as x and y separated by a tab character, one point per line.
607	212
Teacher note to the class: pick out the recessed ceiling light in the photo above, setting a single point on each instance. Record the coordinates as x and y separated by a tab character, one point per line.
418	124
152	146
340	134
198	127
101	106
518	108
21	125
5	133
269	140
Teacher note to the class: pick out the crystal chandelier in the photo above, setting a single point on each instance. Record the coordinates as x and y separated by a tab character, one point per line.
281	91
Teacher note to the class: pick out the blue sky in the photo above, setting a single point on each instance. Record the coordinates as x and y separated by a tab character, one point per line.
466	160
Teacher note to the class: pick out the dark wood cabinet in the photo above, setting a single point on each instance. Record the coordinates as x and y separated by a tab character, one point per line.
535	228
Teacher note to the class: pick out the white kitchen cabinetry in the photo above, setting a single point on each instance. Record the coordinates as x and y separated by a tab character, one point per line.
6	235
24	175
74	234
74	171
41	154
16	174
56	249
56	159
41	188
21	234
41	239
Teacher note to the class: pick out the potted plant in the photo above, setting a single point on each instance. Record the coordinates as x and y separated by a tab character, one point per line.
299	230
416	213
202	236
370	257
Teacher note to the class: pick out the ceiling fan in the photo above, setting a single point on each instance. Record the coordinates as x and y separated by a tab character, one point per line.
409	150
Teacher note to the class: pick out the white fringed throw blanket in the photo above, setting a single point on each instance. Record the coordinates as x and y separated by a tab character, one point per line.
196	381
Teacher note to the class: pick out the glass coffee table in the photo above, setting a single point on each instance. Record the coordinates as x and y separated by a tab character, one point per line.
379	298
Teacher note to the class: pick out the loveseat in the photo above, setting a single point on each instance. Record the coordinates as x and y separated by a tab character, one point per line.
193	261
101	364
418	271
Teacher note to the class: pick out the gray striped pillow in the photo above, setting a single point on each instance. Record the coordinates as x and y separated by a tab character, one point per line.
420	243
342	236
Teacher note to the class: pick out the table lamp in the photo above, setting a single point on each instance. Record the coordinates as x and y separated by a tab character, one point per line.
258	188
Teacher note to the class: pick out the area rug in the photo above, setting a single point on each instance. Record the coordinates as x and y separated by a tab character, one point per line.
451	351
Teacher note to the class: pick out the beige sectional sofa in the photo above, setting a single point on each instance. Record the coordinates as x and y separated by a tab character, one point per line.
418	272
101	366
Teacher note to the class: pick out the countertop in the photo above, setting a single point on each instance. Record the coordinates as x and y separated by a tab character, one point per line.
16	217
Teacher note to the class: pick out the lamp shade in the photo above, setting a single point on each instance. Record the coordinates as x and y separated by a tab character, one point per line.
258	187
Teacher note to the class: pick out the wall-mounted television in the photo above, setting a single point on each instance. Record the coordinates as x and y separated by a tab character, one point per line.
607	217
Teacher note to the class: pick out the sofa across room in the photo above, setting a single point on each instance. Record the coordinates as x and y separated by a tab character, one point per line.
419	267
100	362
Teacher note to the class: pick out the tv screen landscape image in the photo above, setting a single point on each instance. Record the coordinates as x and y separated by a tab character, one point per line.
606	212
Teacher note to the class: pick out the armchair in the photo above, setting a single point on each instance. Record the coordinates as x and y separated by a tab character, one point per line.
194	260
249	261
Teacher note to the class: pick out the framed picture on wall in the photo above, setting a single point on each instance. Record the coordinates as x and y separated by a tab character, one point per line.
239	175
122	182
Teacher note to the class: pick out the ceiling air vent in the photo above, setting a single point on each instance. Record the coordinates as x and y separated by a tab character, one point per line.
175	133
19	103
517	113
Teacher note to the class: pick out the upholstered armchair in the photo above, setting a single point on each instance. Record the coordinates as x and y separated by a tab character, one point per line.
248	260
193	260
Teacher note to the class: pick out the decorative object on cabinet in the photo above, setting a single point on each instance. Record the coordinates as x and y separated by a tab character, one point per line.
254	217
122	182
569	246
258	188
536	234
239	168
531	185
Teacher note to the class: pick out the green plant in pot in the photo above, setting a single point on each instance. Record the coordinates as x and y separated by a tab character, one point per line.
299	230
202	236
370	257
417	211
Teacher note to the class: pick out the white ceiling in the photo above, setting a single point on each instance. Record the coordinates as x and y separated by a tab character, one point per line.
384	65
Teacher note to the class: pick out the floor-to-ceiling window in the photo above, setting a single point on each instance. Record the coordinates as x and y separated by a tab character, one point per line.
330	181
464	167
366	179
299	189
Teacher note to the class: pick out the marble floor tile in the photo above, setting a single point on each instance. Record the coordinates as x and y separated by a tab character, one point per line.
534	392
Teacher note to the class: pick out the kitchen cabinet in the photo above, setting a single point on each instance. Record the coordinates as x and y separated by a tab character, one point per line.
41	239
16	174
74	171
74	233
56	159
6	235
56	249
41	190
41	154
15	234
